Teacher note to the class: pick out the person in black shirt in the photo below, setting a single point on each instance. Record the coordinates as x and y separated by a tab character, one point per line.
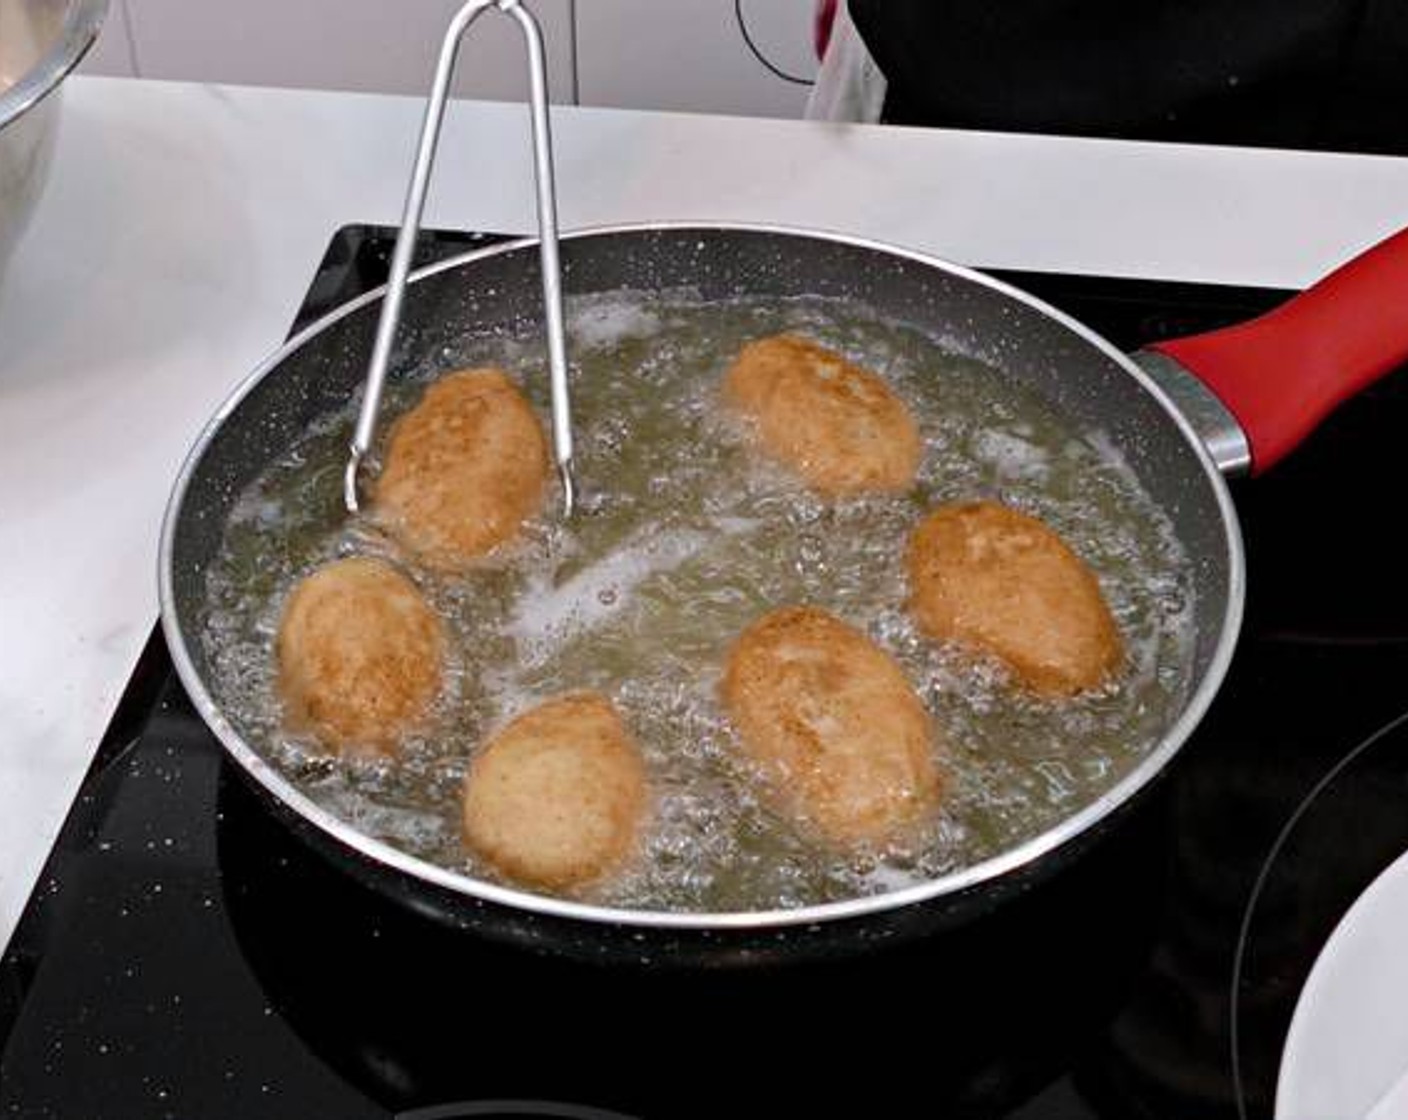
1320	74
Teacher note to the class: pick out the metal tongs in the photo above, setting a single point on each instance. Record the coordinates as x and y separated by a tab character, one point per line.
410	227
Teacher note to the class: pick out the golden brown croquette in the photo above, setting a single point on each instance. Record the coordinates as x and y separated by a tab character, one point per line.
986	576
556	798
838	426
463	469
843	740
360	656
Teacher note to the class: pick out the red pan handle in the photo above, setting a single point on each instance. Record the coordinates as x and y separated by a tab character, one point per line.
1282	373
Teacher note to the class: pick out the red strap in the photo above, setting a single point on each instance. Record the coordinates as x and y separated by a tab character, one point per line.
825	20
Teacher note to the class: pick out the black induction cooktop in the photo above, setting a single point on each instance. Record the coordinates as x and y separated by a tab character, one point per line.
185	954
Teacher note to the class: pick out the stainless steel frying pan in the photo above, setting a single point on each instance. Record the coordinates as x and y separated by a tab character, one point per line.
1276	376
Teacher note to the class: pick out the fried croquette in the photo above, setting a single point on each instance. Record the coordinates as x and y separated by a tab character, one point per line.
463	469
838	426
360	656
986	576
556	798
843	740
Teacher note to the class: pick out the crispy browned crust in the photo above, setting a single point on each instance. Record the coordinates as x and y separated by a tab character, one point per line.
844	741
463	469
838	426
360	656
557	797
989	577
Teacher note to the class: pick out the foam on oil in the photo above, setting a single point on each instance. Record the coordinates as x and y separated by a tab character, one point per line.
684	538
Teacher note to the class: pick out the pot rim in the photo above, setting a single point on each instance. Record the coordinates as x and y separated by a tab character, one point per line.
987	870
80	31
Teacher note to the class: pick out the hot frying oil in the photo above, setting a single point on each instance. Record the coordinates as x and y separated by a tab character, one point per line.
685	537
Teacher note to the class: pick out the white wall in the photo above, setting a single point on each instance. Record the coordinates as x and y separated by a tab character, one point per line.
649	54
689	55
111	54
378	46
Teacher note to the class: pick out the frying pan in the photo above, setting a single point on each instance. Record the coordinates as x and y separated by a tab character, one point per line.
1259	388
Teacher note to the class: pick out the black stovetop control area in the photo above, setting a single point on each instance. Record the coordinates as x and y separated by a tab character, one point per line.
187	954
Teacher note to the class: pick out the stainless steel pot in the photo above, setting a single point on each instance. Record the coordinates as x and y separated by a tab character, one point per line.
40	42
1178	451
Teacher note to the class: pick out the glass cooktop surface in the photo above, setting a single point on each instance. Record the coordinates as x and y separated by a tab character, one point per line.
187	954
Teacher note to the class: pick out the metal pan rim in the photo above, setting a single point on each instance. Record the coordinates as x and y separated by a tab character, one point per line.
989	870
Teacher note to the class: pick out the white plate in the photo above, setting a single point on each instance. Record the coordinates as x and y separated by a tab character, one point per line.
1346	1054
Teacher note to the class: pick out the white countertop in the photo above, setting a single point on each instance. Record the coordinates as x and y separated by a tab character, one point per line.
182	224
